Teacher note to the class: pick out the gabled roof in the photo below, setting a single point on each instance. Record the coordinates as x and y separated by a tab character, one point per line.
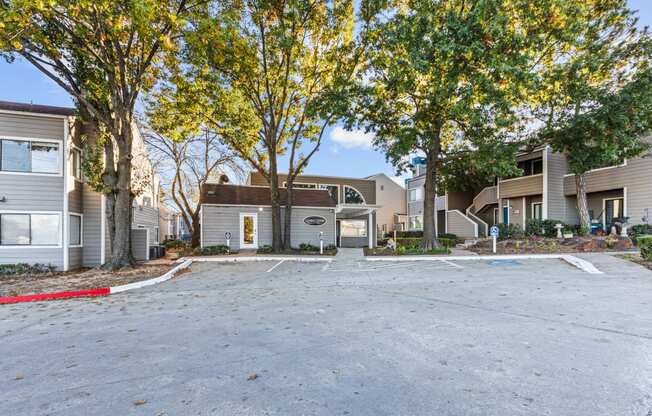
260	196
36	108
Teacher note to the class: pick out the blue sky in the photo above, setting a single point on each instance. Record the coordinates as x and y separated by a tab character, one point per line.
342	153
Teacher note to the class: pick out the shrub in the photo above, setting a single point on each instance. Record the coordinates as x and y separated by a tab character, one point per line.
639	229
545	228
645	245
330	247
509	231
447	236
24	268
416	242
307	247
172	244
211	250
266	249
404	234
403	250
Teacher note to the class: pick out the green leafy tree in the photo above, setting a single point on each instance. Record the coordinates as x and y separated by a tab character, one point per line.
586	96
274	75
443	80
605	135
103	53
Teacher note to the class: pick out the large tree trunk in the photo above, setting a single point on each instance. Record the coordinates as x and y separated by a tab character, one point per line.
122	199
277	242
582	204
430	192
195	239
287	233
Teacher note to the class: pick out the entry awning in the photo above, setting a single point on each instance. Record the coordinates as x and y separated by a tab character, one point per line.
353	210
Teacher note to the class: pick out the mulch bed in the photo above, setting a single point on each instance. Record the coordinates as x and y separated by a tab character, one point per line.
539	245
27	284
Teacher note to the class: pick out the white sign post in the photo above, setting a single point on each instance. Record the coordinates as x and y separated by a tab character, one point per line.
494	231
227	235
321	242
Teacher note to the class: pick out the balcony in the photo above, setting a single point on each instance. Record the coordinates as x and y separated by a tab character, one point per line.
521	186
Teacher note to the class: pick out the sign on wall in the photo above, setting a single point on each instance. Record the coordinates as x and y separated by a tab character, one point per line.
315	220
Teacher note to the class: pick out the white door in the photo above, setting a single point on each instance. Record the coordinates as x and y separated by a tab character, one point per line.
248	230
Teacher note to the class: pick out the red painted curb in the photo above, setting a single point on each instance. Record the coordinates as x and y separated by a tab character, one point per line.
104	291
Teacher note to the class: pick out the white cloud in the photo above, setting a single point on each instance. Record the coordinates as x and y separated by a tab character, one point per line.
351	139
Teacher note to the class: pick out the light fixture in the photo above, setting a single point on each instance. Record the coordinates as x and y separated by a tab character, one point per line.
260	209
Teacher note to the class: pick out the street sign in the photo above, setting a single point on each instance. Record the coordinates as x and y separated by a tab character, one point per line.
494	231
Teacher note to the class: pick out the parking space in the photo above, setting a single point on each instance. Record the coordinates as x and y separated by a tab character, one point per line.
524	337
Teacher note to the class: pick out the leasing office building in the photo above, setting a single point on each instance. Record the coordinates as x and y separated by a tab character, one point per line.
48	214
342	211
545	190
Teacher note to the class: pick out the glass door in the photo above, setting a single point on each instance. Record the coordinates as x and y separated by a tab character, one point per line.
613	209
248	230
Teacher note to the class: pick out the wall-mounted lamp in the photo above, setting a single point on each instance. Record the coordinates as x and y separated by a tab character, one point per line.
260	209
3	199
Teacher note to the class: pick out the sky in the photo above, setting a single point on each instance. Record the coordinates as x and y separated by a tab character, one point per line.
343	153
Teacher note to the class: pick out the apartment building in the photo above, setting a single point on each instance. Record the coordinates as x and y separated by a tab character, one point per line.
48	214
545	190
390	197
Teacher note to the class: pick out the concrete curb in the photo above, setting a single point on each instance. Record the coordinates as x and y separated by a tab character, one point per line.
102	291
572	260
219	259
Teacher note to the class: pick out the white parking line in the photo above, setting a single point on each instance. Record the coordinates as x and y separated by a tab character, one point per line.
276	265
450	263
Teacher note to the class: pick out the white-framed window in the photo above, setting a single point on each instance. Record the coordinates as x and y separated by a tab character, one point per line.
416	194
76	230
19	229
416	222
30	156
353	228
76	163
537	210
352	195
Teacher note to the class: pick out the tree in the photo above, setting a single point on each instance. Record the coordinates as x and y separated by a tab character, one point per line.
103	53
275	75
186	164
605	135
601	52
443	80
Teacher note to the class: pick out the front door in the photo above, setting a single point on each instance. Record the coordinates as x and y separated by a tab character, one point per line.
337	233
613	209
506	215
248	230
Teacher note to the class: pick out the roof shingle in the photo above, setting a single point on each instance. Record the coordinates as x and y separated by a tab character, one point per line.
36	108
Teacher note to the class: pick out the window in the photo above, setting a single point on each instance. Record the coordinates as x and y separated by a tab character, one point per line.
333	190
352	196
353	228
531	167
382	187
29	156
147	201
45	157
75	236
29	229
14	229
537	211
416	222
416	194
76	163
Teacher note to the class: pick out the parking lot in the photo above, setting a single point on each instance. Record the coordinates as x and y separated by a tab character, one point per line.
526	337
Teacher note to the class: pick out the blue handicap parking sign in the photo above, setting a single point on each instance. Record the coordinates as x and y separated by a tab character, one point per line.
494	231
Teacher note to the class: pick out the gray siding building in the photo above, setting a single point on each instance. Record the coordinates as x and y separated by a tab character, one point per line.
243	215
48	214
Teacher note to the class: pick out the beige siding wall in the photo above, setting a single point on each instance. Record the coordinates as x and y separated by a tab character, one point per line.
636	176
92	228
459	200
523	186
460	225
486	196
392	200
